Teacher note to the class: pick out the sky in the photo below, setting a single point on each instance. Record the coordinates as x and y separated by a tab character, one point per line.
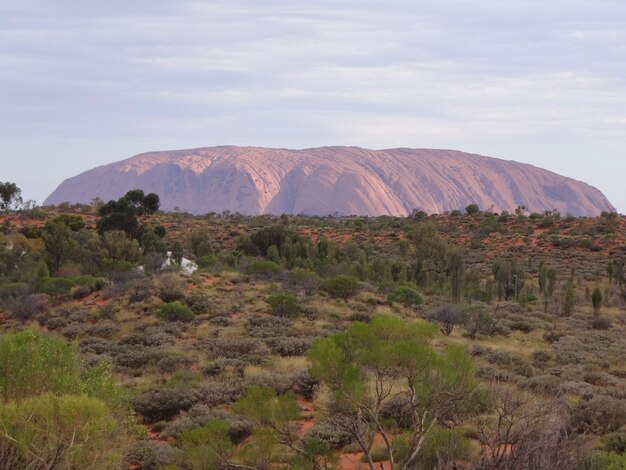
85	83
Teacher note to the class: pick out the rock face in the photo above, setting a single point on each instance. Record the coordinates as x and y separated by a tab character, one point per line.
342	180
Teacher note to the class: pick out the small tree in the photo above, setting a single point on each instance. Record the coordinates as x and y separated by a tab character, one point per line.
284	304
369	364
447	317
472	209
342	286
10	197
596	300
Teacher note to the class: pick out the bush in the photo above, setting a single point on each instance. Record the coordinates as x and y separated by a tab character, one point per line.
601	323
289	346
67	431
150	455
54	285
328	432
199	303
446	316
284	305
24	308
46	364
599	415
164	403
342	287
264	267
405	295
175	311
208	261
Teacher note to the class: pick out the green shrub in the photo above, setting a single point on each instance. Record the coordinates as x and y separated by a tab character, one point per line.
263	267
54	285
208	261
175	311
342	286
405	295
284	304
67	431
32	363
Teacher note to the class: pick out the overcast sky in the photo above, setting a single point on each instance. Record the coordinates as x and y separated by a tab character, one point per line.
84	83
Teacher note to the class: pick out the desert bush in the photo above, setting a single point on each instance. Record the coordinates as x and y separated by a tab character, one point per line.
601	323
220	392
198	415
342	286
54	285
105	329
269	327
150	455
55	323
223	365
615	442
288	346
96	345
398	409
599	415
544	384
220	321
443	447
147	339
163	403
67	431
207	261
25	308
236	348
279	382
328	432
264	267
523	326
176	311
495	374
173	363
305	383
46	364
405	295
446	316
477	320
170	288
200	303
284	304
541	358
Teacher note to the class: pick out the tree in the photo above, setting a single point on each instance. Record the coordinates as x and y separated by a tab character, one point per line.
569	298
274	415
10	197
447	317
342	286
368	365
472	209
122	214
596	300
284	304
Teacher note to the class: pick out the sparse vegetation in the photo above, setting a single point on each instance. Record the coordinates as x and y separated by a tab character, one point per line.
305	339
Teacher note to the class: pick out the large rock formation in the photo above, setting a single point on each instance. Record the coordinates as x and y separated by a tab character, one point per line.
342	180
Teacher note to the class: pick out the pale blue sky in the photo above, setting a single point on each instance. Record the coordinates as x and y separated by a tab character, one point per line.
86	83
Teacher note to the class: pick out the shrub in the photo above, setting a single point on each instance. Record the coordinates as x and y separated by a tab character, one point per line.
599	415
284	305
223	365
24	308
446	316
264	267
67	431
328	432
305	383
207	261
54	285
342	287
170	364
46	364
601	323
175	311
170	288
199	303
288	346
522	326
405	295
150	455
162	404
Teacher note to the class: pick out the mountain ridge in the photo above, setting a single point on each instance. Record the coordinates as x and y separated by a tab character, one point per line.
347	180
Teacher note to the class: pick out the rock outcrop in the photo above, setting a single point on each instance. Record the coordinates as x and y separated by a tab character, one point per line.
329	180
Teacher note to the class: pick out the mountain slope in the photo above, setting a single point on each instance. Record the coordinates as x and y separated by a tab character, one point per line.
343	180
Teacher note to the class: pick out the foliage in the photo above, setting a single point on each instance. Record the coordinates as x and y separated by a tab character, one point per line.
10	196
406	295
284	304
175	311
342	286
